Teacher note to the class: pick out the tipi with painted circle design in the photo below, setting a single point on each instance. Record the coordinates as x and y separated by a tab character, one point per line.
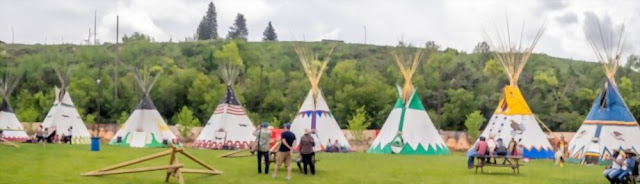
145	126
408	128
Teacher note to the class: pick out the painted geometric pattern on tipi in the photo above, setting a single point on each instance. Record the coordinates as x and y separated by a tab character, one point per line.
63	115
144	128
320	118
418	134
609	125
513	119
229	125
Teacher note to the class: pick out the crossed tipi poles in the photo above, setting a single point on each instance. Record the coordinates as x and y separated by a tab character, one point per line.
174	168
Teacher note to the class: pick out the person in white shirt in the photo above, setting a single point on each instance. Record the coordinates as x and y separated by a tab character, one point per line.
69	134
614	165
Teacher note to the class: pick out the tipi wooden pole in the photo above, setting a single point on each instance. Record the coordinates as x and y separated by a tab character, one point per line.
124	164
230	154
136	170
196	160
199	171
179	176
7	142
171	161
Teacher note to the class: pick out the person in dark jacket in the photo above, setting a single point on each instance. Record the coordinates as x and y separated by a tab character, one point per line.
306	151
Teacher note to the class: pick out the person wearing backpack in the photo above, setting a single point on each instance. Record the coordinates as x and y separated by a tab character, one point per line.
263	134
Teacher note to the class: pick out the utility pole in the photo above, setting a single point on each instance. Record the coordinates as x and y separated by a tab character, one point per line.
95	26
261	96
115	72
13	36
89	39
365	34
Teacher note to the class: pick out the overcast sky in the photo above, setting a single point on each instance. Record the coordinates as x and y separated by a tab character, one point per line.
458	24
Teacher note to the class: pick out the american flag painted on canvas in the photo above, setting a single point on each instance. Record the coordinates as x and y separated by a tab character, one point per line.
231	103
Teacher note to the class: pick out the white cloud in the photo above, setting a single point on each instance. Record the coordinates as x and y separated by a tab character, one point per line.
450	23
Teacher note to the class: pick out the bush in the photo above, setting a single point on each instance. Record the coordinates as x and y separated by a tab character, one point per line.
473	123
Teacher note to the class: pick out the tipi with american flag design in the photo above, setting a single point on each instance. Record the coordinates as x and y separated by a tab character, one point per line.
229	127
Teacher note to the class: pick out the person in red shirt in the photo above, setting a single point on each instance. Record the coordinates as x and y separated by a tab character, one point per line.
481	149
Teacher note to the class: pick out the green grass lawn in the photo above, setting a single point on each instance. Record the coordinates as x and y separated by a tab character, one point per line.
33	163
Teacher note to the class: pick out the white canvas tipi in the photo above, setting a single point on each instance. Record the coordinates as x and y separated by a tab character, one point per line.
314	114
63	114
408	129
229	126
609	124
145	126
9	124
513	118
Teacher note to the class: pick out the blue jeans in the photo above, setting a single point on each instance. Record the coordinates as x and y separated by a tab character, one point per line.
622	175
613	175
471	159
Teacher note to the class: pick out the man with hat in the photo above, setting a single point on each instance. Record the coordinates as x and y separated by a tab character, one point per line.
628	164
263	134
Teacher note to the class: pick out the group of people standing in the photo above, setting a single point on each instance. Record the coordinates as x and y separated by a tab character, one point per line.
43	135
284	154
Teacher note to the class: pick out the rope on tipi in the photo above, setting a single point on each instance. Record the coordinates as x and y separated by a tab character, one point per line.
513	56
408	66
313	67
602	44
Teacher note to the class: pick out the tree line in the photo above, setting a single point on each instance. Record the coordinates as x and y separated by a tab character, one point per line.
452	84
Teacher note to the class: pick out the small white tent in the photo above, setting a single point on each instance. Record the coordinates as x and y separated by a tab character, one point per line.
9	124
408	129
314	114
229	127
63	114
145	127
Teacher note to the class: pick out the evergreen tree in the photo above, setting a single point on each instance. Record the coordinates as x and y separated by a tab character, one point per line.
208	27
482	47
239	29
270	33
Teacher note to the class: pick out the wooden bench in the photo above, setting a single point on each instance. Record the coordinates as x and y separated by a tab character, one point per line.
507	161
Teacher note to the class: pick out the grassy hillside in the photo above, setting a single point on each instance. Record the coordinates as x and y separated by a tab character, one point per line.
451	83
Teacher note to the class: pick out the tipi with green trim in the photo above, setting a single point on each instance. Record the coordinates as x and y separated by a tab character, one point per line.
145	128
408	129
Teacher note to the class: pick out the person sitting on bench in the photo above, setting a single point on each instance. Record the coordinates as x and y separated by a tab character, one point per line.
337	147
481	149
614	165
628	164
329	147
501	149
